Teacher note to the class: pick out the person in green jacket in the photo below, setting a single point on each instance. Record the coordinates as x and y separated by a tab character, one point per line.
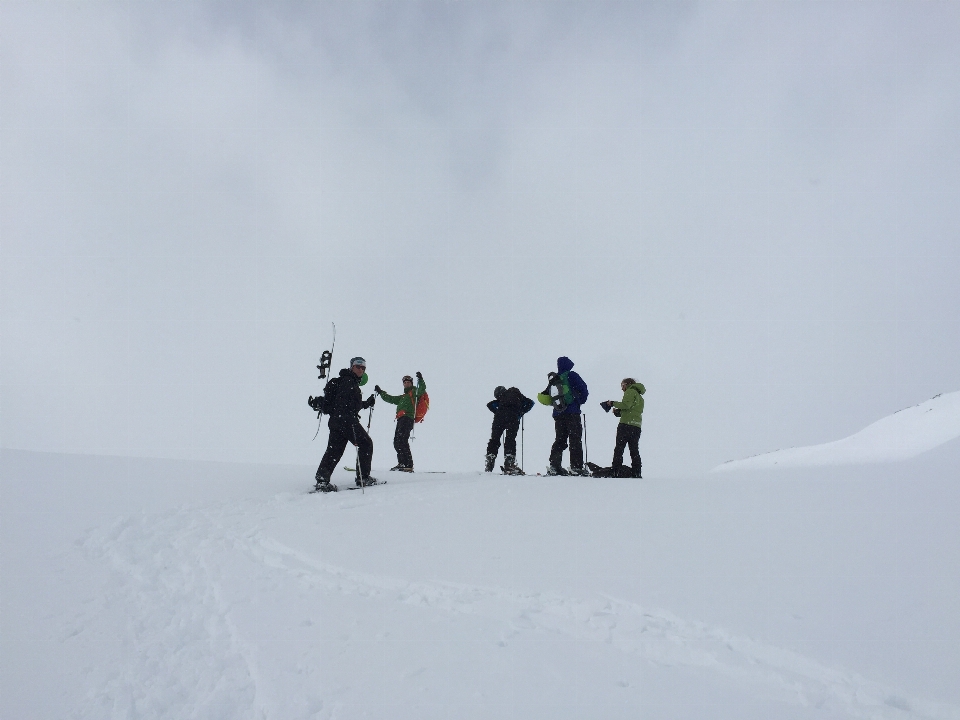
406	415
630	411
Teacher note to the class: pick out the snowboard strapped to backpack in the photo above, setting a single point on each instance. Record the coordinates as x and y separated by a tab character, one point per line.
558	392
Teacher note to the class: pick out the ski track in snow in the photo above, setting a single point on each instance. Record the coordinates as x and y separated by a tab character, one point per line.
182	654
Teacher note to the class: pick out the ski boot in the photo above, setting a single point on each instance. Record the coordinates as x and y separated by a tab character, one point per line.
367	481
324	485
510	466
555	470
579	471
491	459
400	467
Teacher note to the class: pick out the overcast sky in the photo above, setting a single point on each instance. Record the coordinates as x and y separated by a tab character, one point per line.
752	208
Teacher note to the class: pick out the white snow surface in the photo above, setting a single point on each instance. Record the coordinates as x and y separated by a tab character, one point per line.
166	589
900	436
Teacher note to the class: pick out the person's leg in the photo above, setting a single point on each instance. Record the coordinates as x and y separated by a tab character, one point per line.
575	434
620	446
336	443
510	442
634	443
401	441
365	446
559	443
493	446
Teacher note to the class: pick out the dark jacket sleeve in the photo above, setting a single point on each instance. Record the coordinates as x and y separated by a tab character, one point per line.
493	406
527	406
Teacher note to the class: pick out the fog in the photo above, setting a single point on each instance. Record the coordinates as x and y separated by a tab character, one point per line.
752	208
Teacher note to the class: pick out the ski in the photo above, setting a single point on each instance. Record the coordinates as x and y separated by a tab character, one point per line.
418	472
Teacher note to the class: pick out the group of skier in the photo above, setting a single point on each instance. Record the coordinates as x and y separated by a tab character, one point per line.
566	393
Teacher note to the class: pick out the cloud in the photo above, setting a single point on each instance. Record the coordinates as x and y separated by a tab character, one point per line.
693	190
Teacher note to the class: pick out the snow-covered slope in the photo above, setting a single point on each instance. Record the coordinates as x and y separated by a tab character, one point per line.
152	589
900	436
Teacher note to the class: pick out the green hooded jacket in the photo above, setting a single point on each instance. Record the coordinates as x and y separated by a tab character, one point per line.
631	407
405	401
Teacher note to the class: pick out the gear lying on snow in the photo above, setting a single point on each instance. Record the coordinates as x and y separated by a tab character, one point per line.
620	472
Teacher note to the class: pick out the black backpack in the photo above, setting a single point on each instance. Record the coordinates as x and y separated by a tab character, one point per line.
327	402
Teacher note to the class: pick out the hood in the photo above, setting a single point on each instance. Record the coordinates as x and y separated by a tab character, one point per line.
639	388
564	364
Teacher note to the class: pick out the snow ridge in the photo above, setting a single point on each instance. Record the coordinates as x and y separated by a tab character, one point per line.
903	435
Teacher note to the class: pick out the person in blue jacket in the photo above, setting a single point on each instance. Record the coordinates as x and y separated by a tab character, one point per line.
507	406
566	393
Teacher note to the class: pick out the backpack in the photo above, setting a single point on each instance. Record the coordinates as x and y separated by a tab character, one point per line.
558	391
327	403
423	404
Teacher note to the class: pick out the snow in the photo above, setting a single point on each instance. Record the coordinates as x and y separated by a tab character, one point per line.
158	589
900	436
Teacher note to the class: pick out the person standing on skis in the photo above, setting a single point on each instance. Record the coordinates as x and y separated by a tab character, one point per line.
343	401
630	411
507	406
569	392
406	416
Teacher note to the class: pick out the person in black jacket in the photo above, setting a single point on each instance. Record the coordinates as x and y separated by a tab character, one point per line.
507	406
343	405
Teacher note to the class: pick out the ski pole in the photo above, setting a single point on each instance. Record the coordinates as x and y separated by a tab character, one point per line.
413	431
522	433
357	466
586	446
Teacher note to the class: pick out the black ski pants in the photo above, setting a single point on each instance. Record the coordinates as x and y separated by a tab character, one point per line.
500	424
345	429
401	441
569	429
627	435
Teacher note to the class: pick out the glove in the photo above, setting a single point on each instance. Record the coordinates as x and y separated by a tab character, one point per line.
419	376
377	390
311	402
616	411
370	401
